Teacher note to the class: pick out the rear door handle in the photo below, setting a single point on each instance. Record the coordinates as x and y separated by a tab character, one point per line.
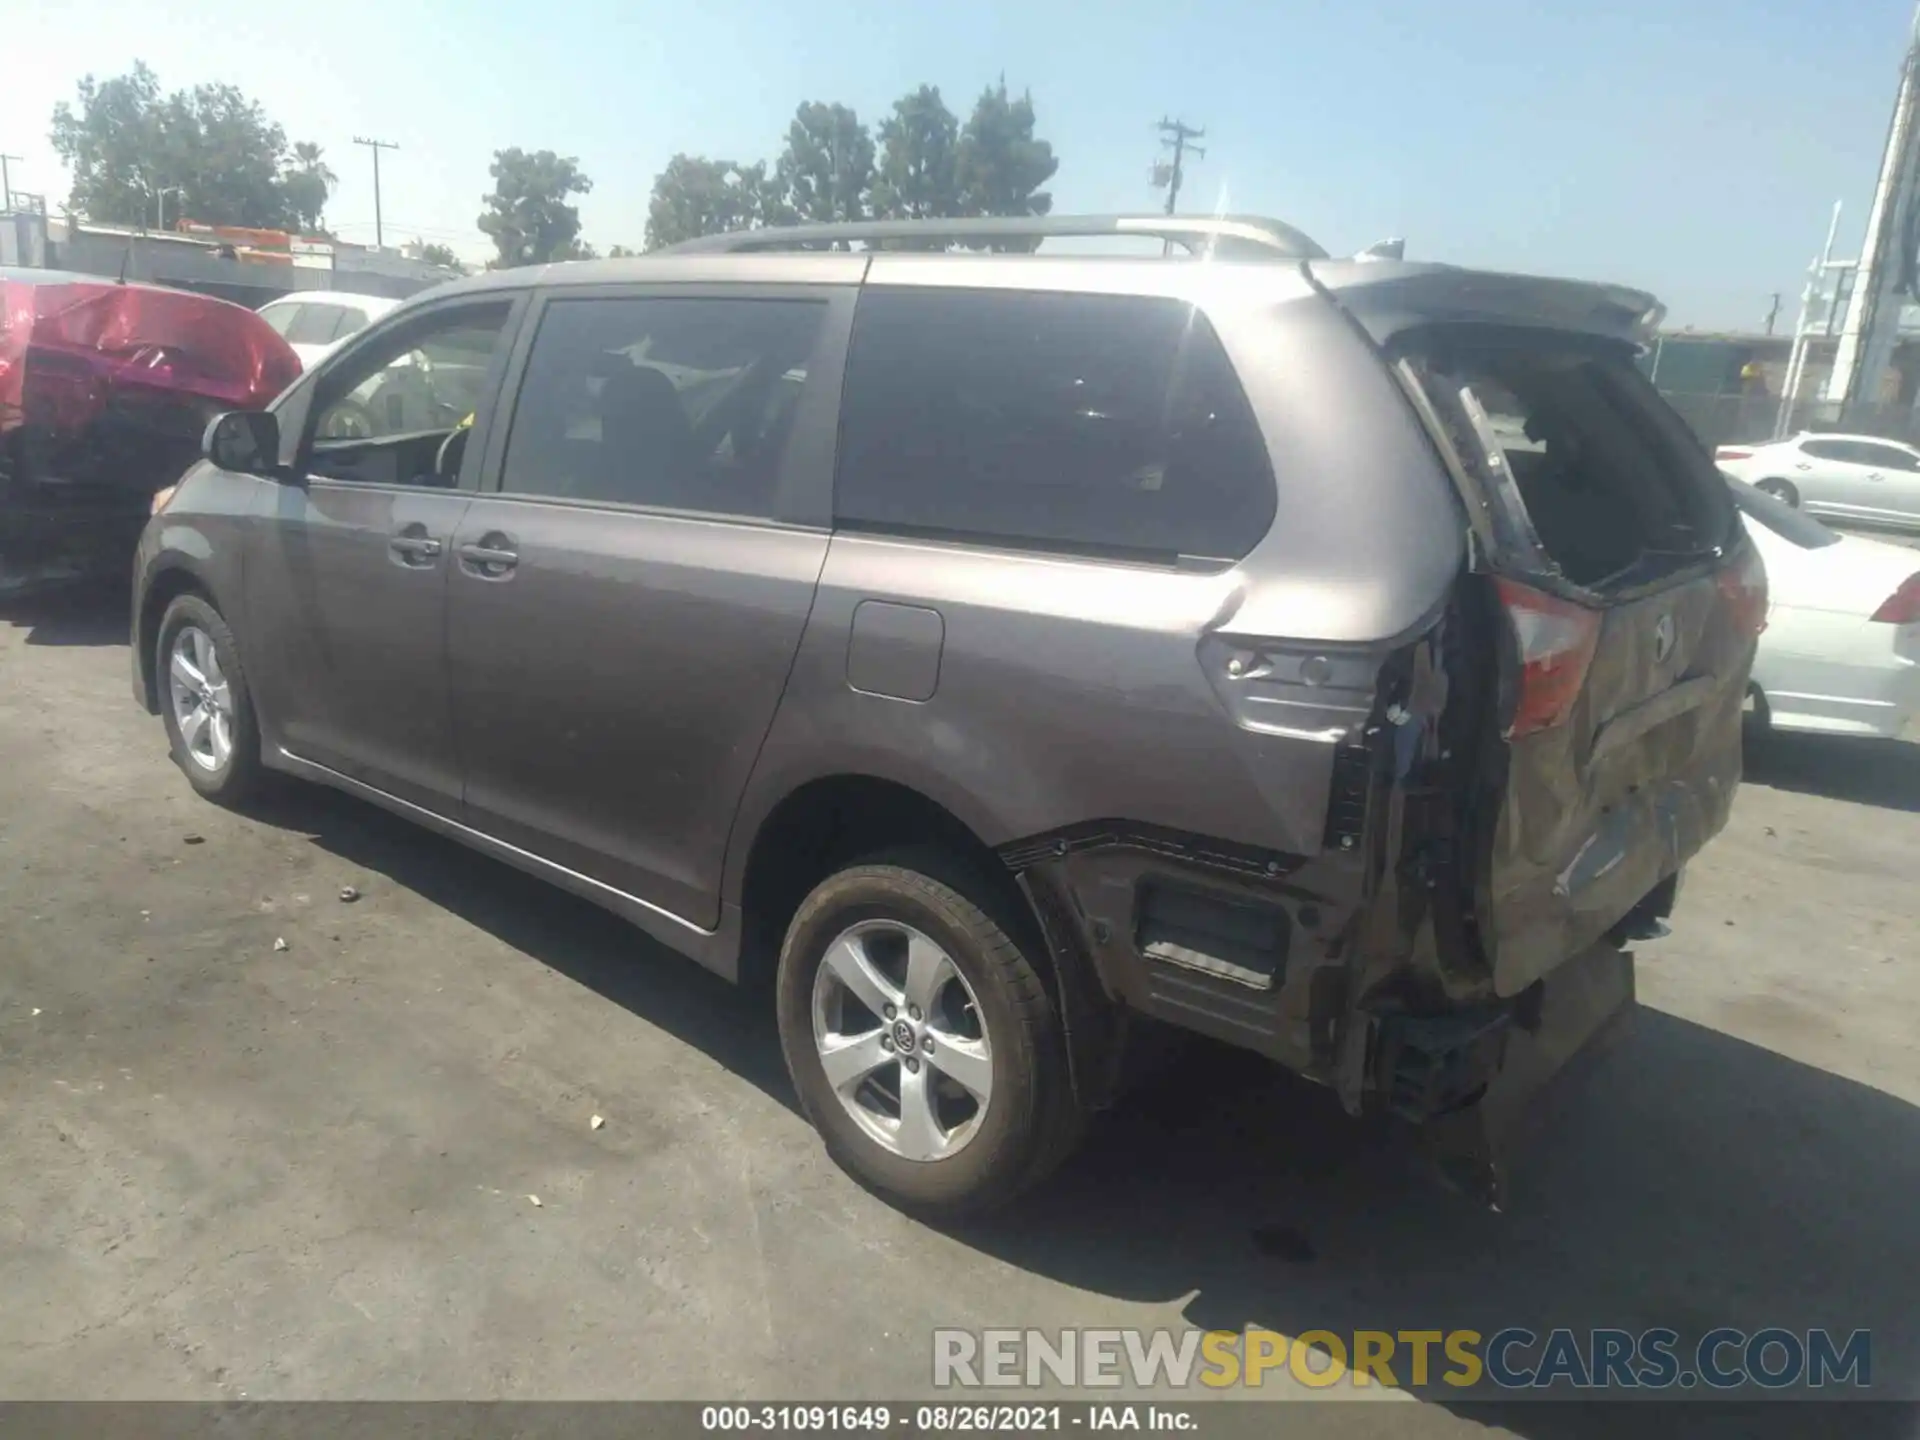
491	558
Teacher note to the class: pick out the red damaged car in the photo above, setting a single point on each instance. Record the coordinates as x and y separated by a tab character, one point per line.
105	389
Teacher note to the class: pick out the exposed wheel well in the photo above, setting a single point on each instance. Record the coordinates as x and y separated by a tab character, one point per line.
167	587
828	823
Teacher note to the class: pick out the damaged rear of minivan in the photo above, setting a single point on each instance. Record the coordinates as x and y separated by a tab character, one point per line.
1548	758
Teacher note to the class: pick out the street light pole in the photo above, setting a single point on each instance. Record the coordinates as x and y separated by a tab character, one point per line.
379	231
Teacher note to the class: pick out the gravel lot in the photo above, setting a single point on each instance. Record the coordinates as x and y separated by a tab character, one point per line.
228	1169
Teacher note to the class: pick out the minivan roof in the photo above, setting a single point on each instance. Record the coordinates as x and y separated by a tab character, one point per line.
1385	296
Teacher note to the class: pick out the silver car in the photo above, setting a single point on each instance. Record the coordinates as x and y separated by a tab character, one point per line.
1011	654
1848	477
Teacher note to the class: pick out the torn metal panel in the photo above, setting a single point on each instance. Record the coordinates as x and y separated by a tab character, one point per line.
105	390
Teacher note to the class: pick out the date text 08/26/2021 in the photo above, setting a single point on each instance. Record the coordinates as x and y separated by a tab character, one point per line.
946	1419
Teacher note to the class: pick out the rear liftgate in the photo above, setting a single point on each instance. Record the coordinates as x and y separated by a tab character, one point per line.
1570	739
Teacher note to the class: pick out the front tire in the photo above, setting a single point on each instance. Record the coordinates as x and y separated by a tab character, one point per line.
923	1046
205	703
1785	491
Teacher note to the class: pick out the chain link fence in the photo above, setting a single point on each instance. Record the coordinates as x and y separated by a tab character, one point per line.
1752	418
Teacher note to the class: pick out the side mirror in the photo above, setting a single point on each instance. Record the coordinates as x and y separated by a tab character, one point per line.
246	442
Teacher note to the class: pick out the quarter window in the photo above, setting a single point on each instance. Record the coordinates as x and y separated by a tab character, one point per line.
1094	423
683	404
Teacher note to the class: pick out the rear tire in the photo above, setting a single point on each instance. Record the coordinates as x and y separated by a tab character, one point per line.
205	703
949	1091
1784	491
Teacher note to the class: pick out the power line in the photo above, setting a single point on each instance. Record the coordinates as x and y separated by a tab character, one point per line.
379	235
1178	136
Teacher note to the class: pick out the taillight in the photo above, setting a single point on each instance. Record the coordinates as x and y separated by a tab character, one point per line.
161	498
1557	639
1743	589
1732	452
1903	606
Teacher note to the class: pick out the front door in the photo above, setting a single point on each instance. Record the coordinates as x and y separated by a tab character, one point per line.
1891	480
348	573
625	609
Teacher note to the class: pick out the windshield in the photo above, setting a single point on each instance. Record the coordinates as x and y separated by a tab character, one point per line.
1794	526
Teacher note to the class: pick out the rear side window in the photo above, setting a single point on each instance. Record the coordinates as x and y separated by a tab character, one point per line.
314	325
1613	484
281	317
684	404
1089	423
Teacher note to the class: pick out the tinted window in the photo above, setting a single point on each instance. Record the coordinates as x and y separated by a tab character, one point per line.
281	317
1082	422
1885	457
1824	449
683	404
1794	526
313	325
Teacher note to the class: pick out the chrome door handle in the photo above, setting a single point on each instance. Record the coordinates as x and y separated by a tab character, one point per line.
487	555
417	547
489	562
1802	465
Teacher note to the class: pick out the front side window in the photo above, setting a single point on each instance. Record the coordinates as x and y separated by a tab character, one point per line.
1885	457
683	404
1098	424
383	415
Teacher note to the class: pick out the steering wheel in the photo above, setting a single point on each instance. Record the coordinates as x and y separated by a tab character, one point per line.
453	449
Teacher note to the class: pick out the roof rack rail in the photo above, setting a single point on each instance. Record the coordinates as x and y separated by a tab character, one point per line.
1225	237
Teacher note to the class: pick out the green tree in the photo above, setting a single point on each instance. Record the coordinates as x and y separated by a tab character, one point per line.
1001	166
622	252
308	184
917	179
826	170
211	150
696	196
441	255
527	216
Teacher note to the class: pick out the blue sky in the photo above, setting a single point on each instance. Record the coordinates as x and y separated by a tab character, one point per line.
1694	147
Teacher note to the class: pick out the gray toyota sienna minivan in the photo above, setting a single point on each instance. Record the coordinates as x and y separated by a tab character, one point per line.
1340	659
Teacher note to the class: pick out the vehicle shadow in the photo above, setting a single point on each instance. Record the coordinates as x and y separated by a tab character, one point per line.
70	615
1691	1179
578	939
1838	767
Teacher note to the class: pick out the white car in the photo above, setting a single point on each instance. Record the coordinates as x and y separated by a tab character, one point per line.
313	322
1851	477
1841	651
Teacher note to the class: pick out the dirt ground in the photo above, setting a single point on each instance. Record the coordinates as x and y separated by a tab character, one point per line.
229	1169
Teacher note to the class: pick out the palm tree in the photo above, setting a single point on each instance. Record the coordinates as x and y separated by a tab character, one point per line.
308	183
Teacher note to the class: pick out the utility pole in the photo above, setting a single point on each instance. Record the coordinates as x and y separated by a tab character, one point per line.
379	233
6	181
1884	282
1179	136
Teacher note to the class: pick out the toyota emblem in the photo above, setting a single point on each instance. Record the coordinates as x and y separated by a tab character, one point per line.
1663	638
903	1036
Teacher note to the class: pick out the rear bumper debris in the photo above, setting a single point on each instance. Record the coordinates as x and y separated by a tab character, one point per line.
1544	1046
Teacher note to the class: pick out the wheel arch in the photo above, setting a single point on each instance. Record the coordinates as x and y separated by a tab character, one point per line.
171	577
829	821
